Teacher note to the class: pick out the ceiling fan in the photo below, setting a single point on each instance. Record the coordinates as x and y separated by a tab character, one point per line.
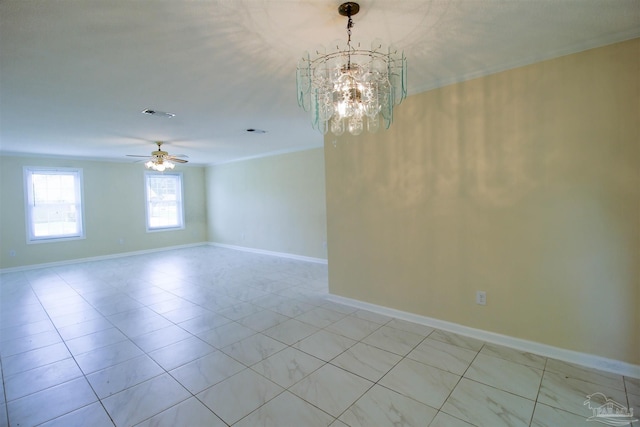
161	160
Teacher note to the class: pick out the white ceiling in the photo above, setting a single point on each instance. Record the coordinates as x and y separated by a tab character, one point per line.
75	75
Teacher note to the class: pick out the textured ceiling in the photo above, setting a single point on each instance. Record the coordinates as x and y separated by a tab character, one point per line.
75	75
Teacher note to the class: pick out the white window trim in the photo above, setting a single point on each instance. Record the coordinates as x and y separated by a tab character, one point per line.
146	203
28	201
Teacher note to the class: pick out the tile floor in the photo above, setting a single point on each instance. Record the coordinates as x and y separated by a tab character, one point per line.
214	337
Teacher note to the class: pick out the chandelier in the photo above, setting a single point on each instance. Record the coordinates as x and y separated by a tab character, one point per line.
351	87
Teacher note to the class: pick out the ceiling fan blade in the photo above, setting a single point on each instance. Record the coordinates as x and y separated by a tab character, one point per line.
134	155
178	155
178	160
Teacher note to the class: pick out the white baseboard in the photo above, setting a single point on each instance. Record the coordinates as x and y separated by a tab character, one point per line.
272	253
97	258
584	359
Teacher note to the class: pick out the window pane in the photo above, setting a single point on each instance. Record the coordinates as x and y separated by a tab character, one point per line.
54	205
164	201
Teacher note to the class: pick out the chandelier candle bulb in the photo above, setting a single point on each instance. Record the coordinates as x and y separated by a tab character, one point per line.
351	86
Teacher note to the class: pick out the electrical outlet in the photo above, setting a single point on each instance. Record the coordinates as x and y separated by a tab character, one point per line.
481	297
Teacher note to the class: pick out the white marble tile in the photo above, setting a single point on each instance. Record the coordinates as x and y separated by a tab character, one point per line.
138	322
353	327
513	355
457	340
569	394
184	314
286	410
441	355
161	338
421	382
287	367
30	342
35	358
547	416
144	400
292	307
204	323
51	403
383	407
331	389
123	375
223	286
95	340
291	331
190	413
324	345
73	318
85	328
633	403
262	320
443	419
253	349
239	395
14	332
487	406
93	414
505	375
172	304
338	423
40	378
320	317
177	354
269	300
413	327
632	385
226	334
341	308
594	376
238	311
393	340
366	361
110	355
207	371
116	304
371	316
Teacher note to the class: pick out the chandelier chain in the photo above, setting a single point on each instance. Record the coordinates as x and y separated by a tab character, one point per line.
349	26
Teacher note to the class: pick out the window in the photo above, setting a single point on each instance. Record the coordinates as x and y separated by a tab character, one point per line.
164	201
54	203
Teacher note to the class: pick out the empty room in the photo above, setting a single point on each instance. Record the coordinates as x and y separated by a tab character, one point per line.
319	213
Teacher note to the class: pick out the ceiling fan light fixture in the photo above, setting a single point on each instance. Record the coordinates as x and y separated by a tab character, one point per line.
351	86
161	160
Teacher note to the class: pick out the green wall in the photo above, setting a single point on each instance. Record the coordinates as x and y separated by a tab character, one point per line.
114	210
272	203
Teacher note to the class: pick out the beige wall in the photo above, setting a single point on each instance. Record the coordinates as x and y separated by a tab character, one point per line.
114	209
273	203
524	184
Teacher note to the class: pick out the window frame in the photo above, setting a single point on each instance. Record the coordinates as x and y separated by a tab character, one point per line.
180	202
77	173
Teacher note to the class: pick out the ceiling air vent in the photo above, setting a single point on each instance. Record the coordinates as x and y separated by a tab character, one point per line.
157	113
